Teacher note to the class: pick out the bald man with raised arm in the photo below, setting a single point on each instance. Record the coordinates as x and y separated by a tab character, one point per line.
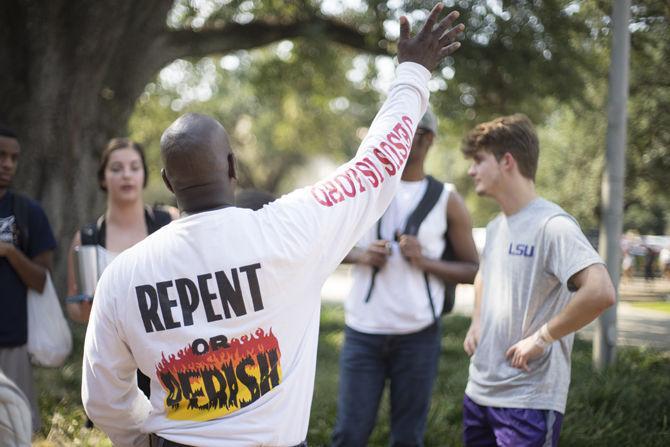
221	307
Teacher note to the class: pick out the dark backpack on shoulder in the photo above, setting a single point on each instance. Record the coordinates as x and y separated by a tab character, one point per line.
427	203
93	233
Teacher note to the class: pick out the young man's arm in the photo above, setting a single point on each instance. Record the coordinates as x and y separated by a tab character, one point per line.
374	255
33	272
472	337
571	259
460	236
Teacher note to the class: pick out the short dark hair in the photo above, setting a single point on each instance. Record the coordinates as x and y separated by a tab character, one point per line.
7	132
116	144
514	134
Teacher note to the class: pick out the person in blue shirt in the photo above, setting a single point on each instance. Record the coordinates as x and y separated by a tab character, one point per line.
26	253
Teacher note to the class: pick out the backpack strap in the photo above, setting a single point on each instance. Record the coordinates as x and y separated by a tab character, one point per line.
20	209
156	218
90	232
449	287
426	204
375	270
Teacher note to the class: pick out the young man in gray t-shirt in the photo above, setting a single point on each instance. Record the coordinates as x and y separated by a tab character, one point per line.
539	281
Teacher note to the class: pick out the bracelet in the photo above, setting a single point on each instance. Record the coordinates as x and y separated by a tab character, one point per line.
544	333
76	299
542	338
539	341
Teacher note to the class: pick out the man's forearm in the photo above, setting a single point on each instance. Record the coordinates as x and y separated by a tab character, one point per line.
354	256
451	271
590	300
476	311
578	313
31	273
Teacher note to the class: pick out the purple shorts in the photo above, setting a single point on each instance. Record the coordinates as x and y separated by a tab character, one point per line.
507	427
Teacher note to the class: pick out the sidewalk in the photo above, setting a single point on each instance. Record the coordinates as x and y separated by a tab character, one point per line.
636	327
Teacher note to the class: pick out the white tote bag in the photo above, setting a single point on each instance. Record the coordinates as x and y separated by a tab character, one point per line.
49	336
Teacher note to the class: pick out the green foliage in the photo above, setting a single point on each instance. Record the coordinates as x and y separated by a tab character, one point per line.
648	161
663	306
296	100
280	106
63	417
571	163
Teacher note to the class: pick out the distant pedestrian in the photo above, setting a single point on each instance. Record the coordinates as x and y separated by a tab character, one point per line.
650	263
664	262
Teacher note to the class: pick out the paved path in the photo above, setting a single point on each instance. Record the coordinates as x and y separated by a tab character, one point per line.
636	327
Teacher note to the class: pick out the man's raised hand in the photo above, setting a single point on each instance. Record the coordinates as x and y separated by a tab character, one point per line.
432	43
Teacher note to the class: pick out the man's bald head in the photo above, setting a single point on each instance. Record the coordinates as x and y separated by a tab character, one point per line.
198	160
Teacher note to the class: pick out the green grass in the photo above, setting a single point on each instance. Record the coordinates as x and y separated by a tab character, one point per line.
628	405
663	306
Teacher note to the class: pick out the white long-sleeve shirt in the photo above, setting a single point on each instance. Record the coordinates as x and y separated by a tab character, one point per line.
220	309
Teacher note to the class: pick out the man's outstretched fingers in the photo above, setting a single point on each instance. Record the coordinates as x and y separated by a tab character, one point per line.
404	28
450	36
446	22
446	51
432	19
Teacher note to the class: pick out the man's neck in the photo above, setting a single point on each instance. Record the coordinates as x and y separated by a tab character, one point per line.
413	172
207	197
3	191
518	193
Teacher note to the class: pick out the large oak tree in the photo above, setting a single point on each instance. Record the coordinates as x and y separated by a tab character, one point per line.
73	69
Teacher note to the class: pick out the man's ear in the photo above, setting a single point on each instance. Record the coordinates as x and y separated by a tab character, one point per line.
166	181
507	162
232	168
429	138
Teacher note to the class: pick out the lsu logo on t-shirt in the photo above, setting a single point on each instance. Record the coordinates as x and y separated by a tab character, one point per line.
521	250
210	379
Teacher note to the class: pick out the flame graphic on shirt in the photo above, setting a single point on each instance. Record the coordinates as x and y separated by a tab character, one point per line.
205	381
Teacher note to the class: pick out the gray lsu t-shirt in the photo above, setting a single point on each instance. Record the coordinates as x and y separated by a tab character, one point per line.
527	262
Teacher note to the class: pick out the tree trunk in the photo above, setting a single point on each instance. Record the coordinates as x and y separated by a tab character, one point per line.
62	91
71	73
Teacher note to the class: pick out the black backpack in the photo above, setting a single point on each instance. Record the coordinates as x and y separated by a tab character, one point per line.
427	203
93	233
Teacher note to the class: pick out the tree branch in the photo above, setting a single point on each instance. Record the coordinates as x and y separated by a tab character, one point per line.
234	36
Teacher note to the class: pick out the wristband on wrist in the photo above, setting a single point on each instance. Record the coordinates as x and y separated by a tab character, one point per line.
544	333
542	338
539	341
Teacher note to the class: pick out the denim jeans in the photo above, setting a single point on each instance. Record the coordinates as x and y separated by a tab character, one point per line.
409	361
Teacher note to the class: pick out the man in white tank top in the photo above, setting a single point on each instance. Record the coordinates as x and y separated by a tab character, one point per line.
392	311
540	281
